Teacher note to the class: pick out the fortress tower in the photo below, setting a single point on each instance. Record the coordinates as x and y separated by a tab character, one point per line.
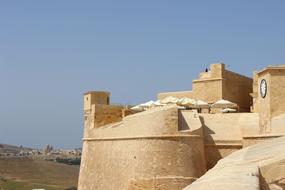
268	95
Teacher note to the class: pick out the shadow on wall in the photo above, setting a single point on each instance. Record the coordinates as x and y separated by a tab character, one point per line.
212	153
196	125
263	183
182	123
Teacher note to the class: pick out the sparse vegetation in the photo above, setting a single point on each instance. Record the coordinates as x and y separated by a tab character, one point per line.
14	185
27	173
71	188
69	161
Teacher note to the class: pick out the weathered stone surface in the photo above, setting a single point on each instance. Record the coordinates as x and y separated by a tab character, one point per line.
146	147
250	168
165	183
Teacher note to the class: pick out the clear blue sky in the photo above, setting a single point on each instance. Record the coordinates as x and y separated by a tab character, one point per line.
52	51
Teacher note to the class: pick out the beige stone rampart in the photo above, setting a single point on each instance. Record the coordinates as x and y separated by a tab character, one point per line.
158	121
146	145
109	164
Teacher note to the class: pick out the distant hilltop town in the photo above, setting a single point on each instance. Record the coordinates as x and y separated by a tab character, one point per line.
71	157
225	133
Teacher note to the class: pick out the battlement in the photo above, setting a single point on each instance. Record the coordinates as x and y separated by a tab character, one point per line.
96	97
216	72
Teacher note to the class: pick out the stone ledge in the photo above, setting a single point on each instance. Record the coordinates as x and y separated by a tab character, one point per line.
224	143
209	79
143	137
263	136
236	145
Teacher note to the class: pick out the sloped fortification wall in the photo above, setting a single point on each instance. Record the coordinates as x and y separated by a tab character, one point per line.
142	152
258	167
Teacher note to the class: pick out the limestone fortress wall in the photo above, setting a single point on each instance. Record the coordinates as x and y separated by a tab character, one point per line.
141	149
168	148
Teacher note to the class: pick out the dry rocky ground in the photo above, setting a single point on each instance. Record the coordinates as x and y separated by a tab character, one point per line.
34	172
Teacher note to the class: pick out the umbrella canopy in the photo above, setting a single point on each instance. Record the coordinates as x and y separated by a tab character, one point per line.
186	102
228	110
169	100
158	103
137	108
147	104
201	104
224	104
143	106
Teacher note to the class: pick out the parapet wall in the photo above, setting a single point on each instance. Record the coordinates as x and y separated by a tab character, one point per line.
105	114
100	115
